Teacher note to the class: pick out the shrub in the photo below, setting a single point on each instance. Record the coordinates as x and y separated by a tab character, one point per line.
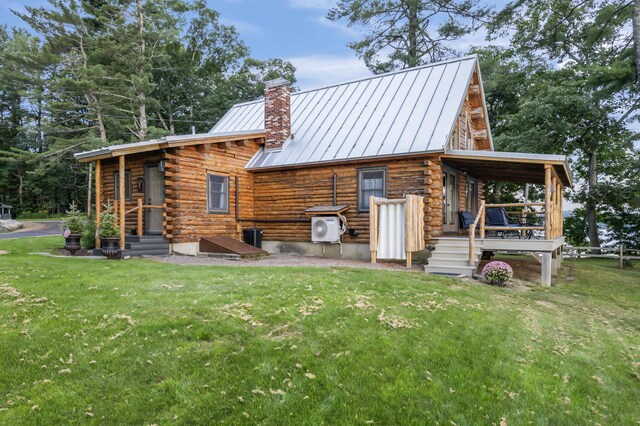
497	272
88	239
108	227
74	220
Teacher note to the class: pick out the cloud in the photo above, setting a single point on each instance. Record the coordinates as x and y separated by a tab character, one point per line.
312	4
242	26
350	31
323	70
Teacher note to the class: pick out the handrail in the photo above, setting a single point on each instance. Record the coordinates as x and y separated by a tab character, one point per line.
139	208
472	233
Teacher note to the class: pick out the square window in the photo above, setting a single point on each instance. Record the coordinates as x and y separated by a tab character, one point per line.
371	182
217	194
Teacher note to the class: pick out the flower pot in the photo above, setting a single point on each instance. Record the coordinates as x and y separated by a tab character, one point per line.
110	246
72	243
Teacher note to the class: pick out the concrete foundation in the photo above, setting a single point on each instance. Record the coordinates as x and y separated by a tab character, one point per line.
189	249
358	251
349	250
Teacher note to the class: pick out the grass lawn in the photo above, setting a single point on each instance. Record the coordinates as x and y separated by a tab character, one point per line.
139	342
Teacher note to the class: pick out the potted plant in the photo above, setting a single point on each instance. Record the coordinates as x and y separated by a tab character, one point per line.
109	233
497	273
72	226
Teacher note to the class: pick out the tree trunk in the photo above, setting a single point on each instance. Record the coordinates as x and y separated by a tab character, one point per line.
636	37
89	180
20	188
413	35
590	205
142	97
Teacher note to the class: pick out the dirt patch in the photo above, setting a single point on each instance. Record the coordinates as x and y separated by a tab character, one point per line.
30	226
546	304
285	260
526	270
81	252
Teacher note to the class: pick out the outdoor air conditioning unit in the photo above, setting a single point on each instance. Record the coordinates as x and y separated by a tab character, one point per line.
325	229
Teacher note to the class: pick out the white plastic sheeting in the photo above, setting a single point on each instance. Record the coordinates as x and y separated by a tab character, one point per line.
391	231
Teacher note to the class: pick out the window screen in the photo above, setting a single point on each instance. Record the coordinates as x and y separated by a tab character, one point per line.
371	182
217	193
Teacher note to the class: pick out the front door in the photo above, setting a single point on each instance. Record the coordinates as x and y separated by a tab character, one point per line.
154	195
450	200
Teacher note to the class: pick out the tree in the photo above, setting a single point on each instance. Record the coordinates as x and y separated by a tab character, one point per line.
407	33
580	108
101	72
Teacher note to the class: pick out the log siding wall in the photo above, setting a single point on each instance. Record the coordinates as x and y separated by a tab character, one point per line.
186	190
278	194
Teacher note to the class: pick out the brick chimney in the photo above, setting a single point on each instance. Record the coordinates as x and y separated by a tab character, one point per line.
277	113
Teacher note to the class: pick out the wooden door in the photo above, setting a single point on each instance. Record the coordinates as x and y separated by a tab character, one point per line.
154	195
450	200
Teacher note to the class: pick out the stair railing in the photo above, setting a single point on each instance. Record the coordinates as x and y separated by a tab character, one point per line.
472	233
140	208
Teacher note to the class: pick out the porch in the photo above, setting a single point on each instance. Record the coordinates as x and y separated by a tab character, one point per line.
543	237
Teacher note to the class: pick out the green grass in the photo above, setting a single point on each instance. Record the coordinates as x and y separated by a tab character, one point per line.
138	342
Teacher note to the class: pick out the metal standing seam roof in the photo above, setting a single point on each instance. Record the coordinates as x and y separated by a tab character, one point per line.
403	112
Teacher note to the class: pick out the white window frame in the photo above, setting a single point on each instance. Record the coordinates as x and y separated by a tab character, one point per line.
225	192
361	172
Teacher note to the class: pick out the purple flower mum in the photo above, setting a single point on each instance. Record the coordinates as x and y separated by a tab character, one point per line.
497	271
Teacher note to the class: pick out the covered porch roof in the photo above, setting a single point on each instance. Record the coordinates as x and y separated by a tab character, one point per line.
509	166
166	142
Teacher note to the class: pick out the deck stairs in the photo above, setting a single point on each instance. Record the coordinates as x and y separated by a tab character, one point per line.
451	257
146	245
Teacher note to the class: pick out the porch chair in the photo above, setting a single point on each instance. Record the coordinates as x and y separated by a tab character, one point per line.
497	216
466	219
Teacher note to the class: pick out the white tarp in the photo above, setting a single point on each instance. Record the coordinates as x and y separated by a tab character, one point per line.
391	230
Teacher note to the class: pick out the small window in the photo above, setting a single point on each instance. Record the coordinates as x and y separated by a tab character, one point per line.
127	185
472	196
217	194
371	182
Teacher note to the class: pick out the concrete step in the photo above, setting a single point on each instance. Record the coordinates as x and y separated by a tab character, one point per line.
452	242
154	252
145	239
147	246
450	270
448	261
448	252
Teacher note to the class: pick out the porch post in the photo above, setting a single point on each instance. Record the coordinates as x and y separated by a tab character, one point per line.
559	219
554	210
122	203
545	273
98	197
547	201
561	211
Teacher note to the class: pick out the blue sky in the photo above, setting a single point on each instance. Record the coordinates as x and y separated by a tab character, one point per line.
296	30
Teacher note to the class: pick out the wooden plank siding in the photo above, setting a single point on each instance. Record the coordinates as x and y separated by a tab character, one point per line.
186	190
473	114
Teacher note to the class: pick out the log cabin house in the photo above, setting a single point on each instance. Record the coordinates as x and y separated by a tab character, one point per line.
278	162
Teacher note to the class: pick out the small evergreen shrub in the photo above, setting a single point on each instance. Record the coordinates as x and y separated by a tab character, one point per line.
497	272
108	227
88	239
74	220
